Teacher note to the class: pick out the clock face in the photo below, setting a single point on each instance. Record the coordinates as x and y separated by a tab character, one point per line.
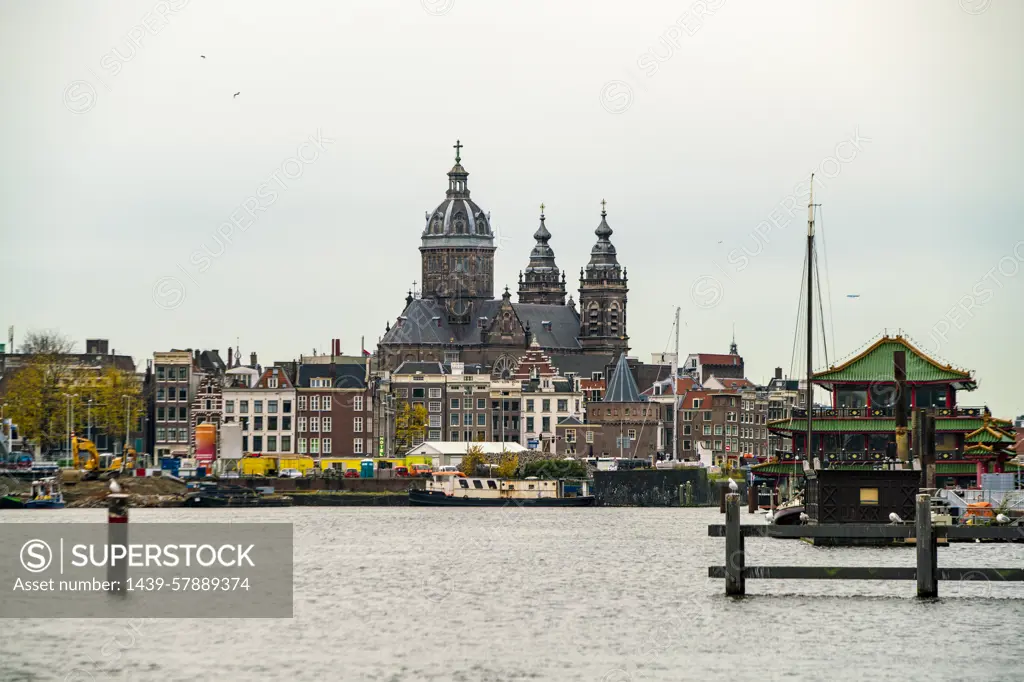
458	306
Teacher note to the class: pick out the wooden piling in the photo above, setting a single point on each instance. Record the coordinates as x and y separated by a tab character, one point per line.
735	561
751	498
117	534
721	498
927	550
899	361
928	461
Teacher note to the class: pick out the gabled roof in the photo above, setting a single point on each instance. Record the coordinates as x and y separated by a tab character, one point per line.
989	434
410	367
876	364
426	322
282	378
719	359
622	387
345	376
683	384
569	421
728	384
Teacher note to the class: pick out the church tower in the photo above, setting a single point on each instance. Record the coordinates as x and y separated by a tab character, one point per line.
603	289
542	284
457	250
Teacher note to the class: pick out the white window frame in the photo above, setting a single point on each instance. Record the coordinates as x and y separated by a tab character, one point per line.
301	447
357	446
301	427
357	424
326	445
326	425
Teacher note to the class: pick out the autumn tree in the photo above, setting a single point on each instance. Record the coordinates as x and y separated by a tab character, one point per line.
410	424
114	393
36	394
508	464
474	459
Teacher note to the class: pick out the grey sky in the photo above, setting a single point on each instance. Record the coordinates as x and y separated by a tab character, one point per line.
693	128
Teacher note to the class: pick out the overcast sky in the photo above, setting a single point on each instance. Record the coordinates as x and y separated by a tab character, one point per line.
123	160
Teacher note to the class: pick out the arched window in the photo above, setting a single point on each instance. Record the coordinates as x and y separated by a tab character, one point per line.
594	319
459	223
481	225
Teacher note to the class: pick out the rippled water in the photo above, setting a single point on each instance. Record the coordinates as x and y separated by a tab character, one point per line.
607	594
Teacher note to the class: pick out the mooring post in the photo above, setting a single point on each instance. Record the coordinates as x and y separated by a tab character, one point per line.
117	534
735	560
721	498
689	493
751	498
927	550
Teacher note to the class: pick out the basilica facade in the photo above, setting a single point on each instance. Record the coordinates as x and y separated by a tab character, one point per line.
457	318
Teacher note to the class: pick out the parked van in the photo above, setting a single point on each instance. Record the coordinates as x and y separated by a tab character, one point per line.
290	473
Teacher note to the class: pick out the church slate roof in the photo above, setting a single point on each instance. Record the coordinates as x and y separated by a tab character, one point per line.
582	366
345	376
622	387
426	322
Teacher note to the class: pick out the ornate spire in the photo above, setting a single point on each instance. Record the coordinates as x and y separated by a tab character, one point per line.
602	256
541	283
732	346
457	176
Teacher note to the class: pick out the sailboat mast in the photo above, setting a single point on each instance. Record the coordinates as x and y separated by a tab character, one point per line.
675	395
810	324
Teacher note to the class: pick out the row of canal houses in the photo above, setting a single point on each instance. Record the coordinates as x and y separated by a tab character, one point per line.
858	431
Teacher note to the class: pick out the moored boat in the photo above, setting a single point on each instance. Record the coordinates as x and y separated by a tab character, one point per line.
462	491
46	494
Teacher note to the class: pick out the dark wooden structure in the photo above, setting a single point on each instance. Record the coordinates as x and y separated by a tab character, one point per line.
838	496
927	572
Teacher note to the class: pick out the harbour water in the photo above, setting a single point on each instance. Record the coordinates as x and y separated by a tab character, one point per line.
607	594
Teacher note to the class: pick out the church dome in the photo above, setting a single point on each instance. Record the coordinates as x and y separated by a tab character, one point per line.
457	216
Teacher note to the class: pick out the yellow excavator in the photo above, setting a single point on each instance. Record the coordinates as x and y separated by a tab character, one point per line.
90	464
130	456
78	445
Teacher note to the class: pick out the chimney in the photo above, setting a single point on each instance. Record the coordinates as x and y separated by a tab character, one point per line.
230	351
252	360
778	372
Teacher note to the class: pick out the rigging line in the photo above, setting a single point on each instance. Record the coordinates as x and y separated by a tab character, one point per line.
828	279
821	311
796	330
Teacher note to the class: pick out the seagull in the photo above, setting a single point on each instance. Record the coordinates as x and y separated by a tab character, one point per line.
1002	518
895	518
732	485
236	94
804	518
853	296
769	517
114	487
202	56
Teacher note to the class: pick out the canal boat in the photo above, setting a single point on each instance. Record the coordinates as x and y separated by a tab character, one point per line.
788	513
46	494
470	491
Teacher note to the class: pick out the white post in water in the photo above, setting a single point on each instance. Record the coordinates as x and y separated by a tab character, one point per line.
927	551
735	561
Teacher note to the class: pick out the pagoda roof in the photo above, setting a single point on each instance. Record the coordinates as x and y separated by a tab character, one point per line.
771	468
988	434
799	425
876	365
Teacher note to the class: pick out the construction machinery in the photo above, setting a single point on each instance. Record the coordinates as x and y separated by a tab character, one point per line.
80	445
130	457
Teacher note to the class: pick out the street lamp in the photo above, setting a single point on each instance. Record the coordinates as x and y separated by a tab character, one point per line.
124	450
88	420
70	418
2	408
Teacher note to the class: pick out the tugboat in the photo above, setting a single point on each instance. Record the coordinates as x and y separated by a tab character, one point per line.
46	494
463	491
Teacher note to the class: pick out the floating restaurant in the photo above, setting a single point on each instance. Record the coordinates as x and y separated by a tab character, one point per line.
858	431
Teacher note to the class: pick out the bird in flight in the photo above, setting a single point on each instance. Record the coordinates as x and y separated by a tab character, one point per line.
236	95
202	56
853	296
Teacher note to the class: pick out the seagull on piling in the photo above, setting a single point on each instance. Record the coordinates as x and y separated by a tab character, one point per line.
114	487
804	518
895	518
732	485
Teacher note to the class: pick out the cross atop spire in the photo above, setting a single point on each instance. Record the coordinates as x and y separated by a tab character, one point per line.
458	149
542	209
603	212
